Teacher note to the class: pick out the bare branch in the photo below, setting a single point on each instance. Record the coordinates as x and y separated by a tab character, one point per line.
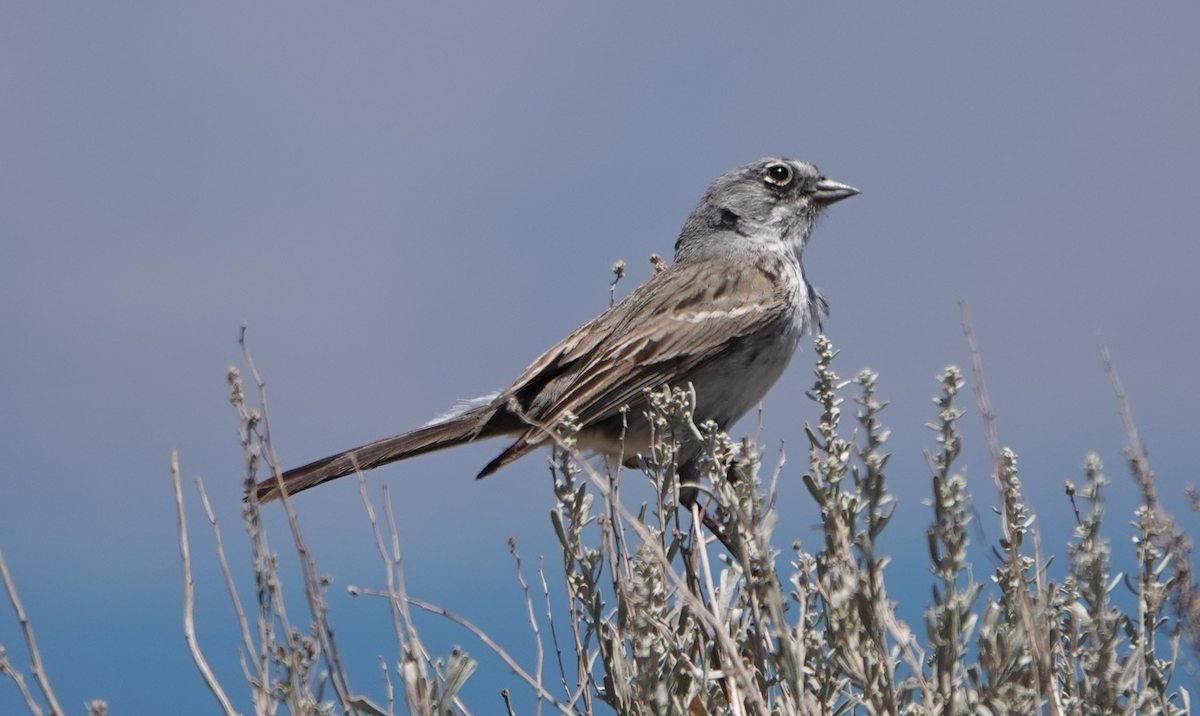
36	668
189	598
564	709
313	588
981	394
243	622
6	667
1166	531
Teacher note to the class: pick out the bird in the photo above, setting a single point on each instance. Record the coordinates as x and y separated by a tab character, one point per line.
725	316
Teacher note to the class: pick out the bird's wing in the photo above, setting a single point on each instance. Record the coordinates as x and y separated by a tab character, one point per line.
661	333
665	336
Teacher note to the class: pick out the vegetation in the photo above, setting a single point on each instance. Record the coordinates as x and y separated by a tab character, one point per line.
686	609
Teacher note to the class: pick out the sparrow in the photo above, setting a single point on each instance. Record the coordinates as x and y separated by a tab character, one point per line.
726	317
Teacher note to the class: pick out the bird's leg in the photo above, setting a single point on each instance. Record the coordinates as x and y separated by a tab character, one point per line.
690	493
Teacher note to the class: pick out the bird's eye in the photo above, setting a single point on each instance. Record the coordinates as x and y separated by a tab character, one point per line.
778	174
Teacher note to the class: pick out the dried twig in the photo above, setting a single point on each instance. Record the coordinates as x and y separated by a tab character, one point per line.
243	622
562	708
1165	531
981	394
189	598
618	270
6	668
313	583
1038	642
36	668
533	624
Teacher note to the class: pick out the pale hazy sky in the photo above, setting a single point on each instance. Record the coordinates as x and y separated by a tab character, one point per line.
407	204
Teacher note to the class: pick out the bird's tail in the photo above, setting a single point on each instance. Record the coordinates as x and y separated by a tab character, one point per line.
453	431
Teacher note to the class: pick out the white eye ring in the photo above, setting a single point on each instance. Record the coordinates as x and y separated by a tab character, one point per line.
778	174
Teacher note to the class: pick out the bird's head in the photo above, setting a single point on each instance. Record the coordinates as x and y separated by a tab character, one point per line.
770	204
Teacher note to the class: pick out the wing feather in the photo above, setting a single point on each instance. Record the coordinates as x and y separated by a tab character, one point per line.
638	344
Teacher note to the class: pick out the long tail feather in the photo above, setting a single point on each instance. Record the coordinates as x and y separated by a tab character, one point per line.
510	455
454	431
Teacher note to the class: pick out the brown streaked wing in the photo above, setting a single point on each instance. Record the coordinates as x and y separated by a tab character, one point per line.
643	331
556	365
720	307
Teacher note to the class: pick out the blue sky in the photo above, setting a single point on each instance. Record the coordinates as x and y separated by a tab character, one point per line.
407	204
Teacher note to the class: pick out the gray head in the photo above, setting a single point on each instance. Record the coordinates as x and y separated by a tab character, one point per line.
772	203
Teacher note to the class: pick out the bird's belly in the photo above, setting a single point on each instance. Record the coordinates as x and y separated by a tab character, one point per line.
728	389
725	391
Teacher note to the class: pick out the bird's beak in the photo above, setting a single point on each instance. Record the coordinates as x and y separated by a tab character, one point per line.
828	191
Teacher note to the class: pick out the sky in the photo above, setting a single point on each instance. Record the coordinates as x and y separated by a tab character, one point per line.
407	203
